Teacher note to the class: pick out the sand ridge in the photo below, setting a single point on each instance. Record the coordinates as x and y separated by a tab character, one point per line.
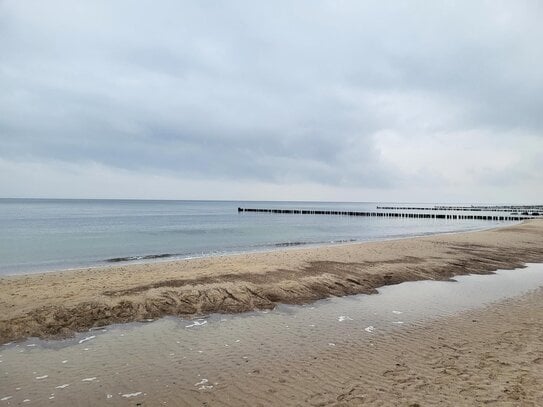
60	303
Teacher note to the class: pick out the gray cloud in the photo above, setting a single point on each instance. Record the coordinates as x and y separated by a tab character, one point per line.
269	92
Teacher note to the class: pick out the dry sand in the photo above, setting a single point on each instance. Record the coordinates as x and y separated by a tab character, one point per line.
57	304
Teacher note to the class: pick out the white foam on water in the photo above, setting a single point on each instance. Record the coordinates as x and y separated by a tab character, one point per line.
64	361
397	312
331	344
89	379
42	377
31	345
26	401
62	386
128	395
202	385
342	318
398	322
88	338
97	328
108	396
198	322
369	329
6	398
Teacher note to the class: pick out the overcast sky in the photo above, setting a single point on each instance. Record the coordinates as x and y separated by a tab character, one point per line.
284	100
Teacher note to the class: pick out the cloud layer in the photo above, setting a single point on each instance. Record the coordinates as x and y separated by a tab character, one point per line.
332	100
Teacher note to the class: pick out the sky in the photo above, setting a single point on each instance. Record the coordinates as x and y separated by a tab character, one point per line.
409	101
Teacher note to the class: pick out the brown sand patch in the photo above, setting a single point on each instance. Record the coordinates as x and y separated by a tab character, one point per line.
58	304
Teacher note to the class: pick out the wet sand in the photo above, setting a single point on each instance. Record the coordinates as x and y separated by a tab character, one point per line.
61	303
471	342
492	356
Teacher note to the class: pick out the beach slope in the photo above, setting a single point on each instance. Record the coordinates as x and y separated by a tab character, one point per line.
57	304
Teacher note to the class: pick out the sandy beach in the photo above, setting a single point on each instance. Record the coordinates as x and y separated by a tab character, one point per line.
491	356
59	303
470	342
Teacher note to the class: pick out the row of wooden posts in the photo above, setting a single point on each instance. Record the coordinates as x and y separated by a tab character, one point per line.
388	214
467	208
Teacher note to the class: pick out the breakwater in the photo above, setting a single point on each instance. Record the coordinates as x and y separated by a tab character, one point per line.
413	215
531	210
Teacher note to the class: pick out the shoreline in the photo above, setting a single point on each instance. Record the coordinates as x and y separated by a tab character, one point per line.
57	304
286	246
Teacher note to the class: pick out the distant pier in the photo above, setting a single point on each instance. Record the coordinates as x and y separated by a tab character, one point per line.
413	215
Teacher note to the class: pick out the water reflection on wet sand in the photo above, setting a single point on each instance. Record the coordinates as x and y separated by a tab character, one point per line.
229	359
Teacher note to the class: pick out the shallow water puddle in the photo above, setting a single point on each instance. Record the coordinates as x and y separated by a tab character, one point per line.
175	361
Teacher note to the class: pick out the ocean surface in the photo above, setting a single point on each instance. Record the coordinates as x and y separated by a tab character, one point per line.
51	234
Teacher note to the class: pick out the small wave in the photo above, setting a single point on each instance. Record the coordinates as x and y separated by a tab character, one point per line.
287	244
134	258
302	243
343	241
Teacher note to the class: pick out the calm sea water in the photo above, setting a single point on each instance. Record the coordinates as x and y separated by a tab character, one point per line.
43	235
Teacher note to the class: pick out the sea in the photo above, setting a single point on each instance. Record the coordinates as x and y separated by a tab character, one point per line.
39	235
